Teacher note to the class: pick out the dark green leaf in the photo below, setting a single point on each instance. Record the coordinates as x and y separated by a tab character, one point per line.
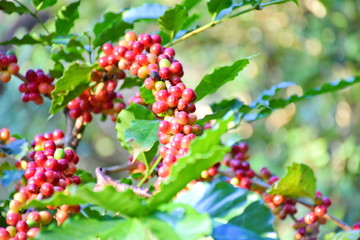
9	176
17	149
142	135
216	6
110	29
344	235
299	181
265	108
189	4
221	75
57	70
204	152
147	95
172	21
126	116
109	198
66	17
26	39
74	81
257	218
132	81
216	199
10	7
144	12
42	4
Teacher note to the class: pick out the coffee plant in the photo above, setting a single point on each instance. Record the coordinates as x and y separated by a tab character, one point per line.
184	180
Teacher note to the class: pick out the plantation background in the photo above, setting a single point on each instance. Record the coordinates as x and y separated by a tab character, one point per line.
310	44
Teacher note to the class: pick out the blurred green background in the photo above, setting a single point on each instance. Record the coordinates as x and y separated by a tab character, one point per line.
310	44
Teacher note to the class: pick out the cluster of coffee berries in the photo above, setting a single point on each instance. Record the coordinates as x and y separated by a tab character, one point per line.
100	98
38	142
51	170
8	66
145	57
38	84
209	174
236	160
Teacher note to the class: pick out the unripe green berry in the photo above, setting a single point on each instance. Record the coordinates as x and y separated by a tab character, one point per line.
164	63
59	153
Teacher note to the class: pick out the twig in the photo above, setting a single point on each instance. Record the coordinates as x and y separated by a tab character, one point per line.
265	186
74	130
148	173
34	15
258	6
119	168
103	180
21	77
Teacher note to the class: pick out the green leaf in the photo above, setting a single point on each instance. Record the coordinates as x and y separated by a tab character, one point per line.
257	218
144	12
299	181
176	222
216	199
110	29
189	4
26	39
132	81
42	4
221	75
142	135
124	119
85	177
10	7
271	92
344	235
187	223
147	95
74	81
216	6
204	152
172	21
126	202
17	149
57	71
265	108
66	17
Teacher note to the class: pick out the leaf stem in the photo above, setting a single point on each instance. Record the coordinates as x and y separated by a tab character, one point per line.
148	173
261	184
211	24
34	15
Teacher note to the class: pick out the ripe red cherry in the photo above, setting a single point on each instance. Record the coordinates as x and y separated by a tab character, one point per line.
13	218
165	73
310	218
278	199
47	189
320	210
188	94
160	107
21	226
107	48
4	234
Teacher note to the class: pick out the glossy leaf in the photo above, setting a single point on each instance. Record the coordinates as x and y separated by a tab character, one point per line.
299	181
74	81
144	12
26	39
216	199
142	135
221	75
187	223
17	149
204	152
216	6
42	4
105	31
57	71
109	198
9	7
132	81
172	21
126	116
189	4
66	17
147	95
344	235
